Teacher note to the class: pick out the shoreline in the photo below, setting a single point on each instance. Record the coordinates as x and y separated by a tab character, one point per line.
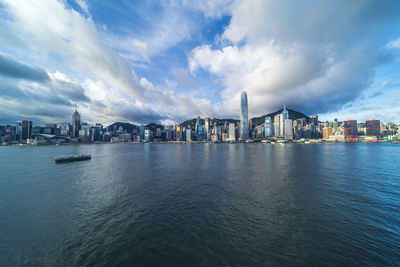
206	142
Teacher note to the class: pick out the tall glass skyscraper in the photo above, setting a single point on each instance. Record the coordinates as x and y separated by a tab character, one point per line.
244	117
76	123
268	127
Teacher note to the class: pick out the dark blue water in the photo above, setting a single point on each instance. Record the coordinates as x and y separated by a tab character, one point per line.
201	205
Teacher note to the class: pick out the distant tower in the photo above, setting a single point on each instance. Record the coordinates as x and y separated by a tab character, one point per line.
285	113
76	123
244	117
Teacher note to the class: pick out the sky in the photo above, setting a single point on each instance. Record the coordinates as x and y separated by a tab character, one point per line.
168	61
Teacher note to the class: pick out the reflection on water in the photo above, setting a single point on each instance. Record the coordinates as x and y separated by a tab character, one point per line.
201	204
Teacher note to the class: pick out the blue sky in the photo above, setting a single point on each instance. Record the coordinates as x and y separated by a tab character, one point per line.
167	61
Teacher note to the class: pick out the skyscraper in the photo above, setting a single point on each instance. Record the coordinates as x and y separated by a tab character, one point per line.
207	128
285	113
267	127
76	123
288	129
26	132
373	127
232	135
244	117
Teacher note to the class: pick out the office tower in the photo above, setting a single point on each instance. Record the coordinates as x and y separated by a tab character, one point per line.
76	123
326	132
268	127
244	117
335	125
26	133
147	135
282	125
285	113
178	133
19	131
350	131
288	132
207	124
277	125
373	127
314	126
232	134
189	135
141	131
199	133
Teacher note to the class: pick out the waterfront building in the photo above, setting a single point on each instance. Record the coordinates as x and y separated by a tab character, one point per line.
26	130
76	123
285	113
288	132
200	133
373	127
326	132
335	125
244	117
18	131
189	135
207	124
147	135
350	131
268	127
281	125
232	133
277	126
141	131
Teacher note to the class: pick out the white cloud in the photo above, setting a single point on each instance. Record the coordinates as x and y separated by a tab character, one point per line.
115	91
82	4
394	44
312	56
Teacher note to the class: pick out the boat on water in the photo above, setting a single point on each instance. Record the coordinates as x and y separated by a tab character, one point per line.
71	158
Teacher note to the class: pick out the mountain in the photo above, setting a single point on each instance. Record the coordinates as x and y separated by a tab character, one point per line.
192	122
126	126
293	115
153	126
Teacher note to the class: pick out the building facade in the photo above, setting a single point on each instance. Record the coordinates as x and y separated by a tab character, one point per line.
244	117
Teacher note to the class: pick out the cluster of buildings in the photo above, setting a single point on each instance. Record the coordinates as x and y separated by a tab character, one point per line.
276	128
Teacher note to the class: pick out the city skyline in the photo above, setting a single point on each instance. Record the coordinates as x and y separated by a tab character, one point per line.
166	62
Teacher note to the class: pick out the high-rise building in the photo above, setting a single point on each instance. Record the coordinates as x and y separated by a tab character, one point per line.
268	127
335	125
19	131
288	134
232	134
189	135
373	127
326	132
141	131
285	113
277	126
207	122
147	135
26	133
76	123
350	131
244	117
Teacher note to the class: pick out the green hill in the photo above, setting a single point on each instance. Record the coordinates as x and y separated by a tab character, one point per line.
293	115
126	126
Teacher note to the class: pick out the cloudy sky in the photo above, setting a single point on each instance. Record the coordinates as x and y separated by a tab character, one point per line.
167	61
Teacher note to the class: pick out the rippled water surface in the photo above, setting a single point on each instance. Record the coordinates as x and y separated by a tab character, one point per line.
201	205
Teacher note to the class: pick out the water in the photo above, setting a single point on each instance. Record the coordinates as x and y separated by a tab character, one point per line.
201	205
